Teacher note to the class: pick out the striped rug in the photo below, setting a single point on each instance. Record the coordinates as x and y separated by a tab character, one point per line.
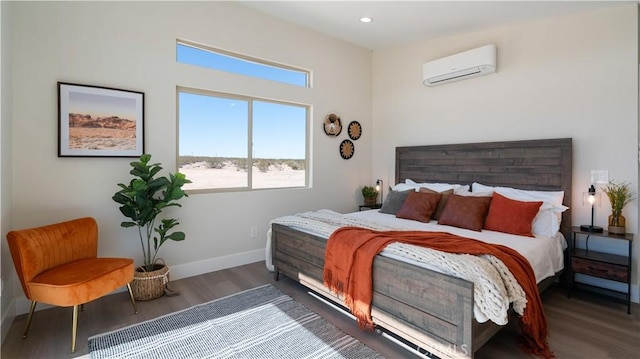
257	323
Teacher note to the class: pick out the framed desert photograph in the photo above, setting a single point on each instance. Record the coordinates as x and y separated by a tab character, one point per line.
98	121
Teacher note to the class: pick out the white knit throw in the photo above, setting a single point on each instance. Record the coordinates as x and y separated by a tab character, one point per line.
494	285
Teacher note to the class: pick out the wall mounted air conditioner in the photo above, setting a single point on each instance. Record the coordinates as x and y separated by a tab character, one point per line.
464	65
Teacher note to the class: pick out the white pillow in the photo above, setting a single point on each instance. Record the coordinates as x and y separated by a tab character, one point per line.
462	189
401	187
553	198
476	194
479	187
547	221
439	187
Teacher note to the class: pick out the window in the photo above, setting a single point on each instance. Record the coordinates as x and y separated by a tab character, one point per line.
225	61
238	142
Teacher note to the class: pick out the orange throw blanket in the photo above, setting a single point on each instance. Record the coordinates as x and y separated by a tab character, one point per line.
349	260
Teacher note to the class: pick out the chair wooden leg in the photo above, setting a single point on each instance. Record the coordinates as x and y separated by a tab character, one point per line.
26	328
74	328
133	300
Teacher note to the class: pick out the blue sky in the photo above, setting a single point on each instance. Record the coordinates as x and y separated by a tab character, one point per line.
218	127
198	57
102	105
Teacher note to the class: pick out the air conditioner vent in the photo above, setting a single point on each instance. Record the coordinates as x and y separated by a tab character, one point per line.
468	64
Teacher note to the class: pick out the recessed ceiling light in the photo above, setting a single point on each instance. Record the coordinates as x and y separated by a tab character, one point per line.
366	19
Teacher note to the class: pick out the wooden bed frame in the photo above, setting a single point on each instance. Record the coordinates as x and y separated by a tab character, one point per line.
403	299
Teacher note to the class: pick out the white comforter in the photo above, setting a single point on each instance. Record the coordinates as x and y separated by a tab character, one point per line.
495	288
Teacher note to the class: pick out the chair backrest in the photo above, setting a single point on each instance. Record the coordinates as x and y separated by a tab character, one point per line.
35	250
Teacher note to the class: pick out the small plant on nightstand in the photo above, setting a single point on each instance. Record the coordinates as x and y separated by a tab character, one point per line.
370	195
619	195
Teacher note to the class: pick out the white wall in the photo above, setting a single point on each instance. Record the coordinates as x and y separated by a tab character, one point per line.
132	46
573	76
8	291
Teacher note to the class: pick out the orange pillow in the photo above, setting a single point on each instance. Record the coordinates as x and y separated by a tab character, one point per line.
419	206
510	216
467	212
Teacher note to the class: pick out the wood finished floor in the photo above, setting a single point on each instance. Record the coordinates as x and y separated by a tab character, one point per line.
584	326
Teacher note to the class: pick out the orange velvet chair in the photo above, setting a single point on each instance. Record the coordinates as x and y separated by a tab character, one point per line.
58	264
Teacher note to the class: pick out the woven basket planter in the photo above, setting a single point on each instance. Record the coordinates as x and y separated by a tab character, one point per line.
150	285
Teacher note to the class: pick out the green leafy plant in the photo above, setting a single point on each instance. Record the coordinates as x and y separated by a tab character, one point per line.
369	192
143	199
619	195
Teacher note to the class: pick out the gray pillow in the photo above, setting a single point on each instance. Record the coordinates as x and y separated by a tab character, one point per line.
394	201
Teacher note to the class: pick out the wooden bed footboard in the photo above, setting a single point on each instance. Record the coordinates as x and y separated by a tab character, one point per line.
430	310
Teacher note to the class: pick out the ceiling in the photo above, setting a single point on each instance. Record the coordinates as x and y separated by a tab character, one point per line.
398	22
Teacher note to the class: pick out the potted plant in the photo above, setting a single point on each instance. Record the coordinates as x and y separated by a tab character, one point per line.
370	195
619	195
142	200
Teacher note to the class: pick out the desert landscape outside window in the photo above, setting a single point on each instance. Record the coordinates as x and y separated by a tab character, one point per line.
235	142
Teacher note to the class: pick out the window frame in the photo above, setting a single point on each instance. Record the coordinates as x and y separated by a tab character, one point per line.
245	58
250	100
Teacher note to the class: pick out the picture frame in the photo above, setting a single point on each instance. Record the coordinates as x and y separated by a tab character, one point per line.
95	121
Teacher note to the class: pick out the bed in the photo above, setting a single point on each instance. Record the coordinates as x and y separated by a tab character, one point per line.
432	311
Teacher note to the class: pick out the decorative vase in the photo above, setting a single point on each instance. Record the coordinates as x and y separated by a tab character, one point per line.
150	285
369	201
617	224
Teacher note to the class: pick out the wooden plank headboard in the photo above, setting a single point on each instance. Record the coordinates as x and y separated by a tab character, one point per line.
533	165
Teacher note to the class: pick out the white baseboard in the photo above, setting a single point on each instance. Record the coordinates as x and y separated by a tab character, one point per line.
177	272
7	319
216	264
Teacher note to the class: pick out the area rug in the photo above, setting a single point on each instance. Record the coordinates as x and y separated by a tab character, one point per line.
257	323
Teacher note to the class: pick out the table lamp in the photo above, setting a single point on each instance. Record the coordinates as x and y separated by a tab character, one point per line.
591	199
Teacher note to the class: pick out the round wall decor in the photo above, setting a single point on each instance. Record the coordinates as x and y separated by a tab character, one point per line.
332	125
354	130
347	149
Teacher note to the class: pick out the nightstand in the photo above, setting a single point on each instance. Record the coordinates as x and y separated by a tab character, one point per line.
364	207
602	265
